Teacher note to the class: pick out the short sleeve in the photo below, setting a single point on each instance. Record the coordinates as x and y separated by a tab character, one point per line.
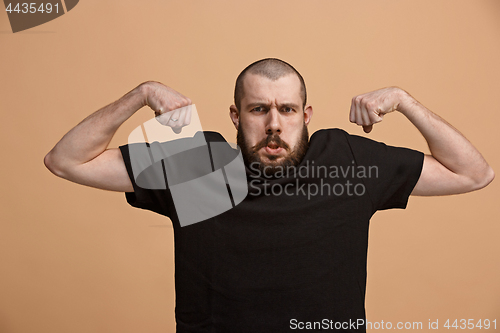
157	174
154	200
392	173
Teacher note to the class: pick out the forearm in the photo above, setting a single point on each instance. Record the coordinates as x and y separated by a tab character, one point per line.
92	136
447	145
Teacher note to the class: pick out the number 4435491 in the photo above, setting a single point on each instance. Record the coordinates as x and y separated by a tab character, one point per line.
32	8
471	324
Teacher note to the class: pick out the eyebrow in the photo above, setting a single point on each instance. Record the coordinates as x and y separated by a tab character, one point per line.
291	105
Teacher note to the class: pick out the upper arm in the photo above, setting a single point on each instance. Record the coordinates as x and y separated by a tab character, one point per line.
106	171
436	179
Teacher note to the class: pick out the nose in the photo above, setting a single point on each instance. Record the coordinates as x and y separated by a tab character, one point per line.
273	122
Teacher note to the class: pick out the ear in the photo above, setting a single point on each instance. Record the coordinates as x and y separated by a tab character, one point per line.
235	115
308	113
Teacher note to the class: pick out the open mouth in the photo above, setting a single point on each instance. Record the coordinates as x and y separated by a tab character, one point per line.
273	148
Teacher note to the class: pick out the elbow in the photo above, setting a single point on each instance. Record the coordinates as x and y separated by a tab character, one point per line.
485	179
490	176
51	164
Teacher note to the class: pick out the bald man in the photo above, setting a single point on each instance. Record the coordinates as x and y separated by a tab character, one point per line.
292	255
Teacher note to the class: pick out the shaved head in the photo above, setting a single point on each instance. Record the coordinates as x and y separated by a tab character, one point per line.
272	69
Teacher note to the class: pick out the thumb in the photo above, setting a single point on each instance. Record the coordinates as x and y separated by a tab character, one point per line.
367	128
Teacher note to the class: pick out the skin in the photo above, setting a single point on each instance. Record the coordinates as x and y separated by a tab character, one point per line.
81	156
454	165
271	108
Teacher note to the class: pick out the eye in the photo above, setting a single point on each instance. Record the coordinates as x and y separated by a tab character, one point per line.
258	109
287	109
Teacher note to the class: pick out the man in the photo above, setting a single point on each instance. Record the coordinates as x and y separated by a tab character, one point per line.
292	255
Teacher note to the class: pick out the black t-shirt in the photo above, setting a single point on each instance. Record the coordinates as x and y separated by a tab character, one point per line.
292	255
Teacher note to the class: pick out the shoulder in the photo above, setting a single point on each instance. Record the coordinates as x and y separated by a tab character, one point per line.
328	134
337	136
339	141
211	136
329	142
328	131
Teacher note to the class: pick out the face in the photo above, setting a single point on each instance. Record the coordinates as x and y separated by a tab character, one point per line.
272	125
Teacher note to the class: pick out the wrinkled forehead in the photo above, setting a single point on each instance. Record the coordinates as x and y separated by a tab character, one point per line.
260	88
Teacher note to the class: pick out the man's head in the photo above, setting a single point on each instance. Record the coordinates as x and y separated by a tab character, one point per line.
271	115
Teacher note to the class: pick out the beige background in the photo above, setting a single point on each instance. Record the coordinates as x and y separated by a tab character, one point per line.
76	259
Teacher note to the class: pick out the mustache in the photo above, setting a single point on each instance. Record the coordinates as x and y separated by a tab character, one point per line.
274	138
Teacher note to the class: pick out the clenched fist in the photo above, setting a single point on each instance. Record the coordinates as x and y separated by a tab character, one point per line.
171	107
370	108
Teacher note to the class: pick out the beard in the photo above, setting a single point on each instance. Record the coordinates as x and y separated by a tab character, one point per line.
271	168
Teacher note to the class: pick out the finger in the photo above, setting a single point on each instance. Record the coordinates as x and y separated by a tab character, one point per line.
188	115
352	111
164	118
375	116
365	116
359	118
182	116
174	118
158	112
181	120
174	122
367	128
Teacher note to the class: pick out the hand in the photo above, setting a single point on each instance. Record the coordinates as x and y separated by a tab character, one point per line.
370	108
171	107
